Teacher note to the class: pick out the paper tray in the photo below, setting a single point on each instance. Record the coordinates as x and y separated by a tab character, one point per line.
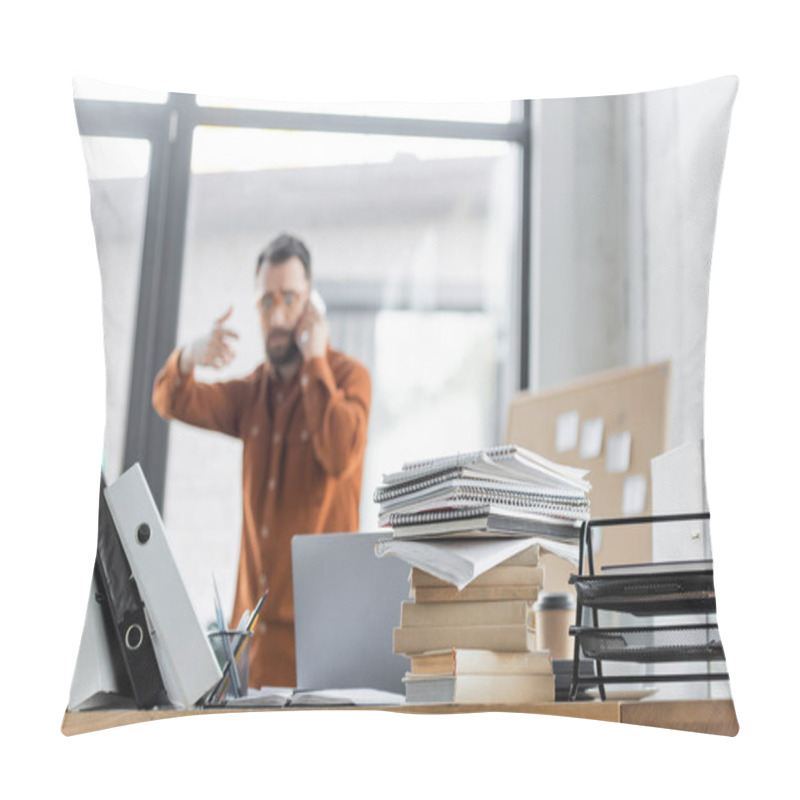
649	594
651	644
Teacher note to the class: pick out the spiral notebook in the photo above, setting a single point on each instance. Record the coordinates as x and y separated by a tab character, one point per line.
505	461
500	491
464	495
482	521
451	479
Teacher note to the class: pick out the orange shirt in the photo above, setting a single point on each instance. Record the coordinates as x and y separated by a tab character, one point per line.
302	461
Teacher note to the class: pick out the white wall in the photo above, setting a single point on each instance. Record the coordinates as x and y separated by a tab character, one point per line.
581	252
627	191
684	133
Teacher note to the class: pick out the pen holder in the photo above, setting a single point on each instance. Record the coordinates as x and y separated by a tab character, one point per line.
239	642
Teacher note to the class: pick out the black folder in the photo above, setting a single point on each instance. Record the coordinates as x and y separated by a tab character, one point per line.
134	659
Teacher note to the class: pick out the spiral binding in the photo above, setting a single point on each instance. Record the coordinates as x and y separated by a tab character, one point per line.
402	518
513	499
411	469
384	493
532	469
462	459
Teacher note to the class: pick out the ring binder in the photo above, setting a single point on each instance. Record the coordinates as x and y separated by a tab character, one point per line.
124	606
185	658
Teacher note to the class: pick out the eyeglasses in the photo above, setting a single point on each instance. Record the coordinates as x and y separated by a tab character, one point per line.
269	300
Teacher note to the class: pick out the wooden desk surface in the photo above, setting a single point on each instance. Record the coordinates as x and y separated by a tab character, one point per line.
702	716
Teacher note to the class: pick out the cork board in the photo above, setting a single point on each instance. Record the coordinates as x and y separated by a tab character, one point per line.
632	407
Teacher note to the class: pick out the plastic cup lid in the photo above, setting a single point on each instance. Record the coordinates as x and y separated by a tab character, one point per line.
553	601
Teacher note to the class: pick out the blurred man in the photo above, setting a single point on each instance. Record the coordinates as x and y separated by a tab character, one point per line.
302	418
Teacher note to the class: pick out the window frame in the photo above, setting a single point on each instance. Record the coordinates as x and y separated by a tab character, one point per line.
169	127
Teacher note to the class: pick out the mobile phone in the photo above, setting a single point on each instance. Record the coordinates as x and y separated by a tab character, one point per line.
315	298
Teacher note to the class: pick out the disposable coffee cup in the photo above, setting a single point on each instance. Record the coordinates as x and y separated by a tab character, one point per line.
555	612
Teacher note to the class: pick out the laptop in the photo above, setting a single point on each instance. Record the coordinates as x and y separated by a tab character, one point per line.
346	606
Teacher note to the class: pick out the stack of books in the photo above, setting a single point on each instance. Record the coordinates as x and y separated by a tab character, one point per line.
501	491
479	677
476	645
469	631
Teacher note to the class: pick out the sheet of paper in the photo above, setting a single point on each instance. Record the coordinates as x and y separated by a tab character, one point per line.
592	437
460	561
266	696
347	697
279	696
567	426
618	452
634	495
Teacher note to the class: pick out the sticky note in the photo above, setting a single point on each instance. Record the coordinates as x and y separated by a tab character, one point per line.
567	431
592	438
618	452
634	495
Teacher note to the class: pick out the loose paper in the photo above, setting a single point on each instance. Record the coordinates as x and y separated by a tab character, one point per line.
592	438
567	431
278	696
618	452
634	495
347	697
460	561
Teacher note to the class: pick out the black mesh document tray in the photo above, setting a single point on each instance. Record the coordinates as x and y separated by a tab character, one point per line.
649	594
650	644
646	590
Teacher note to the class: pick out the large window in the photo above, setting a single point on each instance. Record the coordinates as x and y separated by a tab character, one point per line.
414	221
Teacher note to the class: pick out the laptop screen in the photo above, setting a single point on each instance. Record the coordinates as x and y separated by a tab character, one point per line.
346	605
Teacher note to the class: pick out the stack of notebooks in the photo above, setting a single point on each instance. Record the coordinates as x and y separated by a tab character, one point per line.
476	645
501	491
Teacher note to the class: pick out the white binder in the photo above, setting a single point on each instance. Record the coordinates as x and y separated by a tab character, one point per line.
187	662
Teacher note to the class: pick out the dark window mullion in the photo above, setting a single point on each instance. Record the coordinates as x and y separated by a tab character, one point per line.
159	294
138	412
526	250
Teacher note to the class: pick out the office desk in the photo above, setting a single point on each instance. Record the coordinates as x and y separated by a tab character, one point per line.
702	716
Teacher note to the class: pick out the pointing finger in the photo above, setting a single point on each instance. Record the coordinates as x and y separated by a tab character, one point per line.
224	316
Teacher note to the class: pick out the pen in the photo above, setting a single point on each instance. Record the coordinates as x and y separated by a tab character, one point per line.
241	630
251	623
226	645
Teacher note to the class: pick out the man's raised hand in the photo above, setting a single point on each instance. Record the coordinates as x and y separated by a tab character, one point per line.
211	350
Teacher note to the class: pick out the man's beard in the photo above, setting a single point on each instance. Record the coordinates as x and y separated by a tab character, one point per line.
287	352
